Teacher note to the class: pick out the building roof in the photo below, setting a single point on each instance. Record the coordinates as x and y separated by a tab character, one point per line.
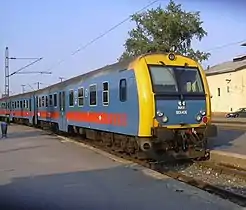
238	63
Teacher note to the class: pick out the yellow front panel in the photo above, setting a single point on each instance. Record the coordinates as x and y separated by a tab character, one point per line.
146	95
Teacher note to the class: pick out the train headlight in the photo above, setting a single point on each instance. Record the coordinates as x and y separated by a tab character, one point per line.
171	56
164	119
159	113
203	113
198	117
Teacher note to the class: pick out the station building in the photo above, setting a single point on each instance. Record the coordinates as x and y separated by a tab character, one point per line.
227	84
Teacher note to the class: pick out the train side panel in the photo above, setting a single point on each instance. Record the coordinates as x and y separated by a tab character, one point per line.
117	113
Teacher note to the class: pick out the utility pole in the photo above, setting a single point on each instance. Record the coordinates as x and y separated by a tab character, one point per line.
38	84
23	88
7	74
6	92
61	79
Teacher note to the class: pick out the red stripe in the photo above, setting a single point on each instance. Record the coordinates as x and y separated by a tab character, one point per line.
98	118
116	119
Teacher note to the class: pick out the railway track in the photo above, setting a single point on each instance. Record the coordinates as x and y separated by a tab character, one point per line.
166	169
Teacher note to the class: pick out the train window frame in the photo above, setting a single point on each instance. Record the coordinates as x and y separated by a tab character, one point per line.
81	97
55	100
18	104
105	91
21	104
120	90
27	104
24	103
15	104
69	99
94	84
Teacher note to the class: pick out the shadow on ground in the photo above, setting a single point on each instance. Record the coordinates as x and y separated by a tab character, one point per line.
115	188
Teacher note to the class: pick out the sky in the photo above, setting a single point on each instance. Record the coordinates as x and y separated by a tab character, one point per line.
54	29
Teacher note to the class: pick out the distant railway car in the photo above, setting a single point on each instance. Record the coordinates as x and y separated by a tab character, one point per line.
155	104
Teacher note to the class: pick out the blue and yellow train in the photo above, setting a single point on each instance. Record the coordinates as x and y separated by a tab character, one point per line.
156	104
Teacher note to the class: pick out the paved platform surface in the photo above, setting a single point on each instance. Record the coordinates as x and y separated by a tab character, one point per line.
39	171
229	139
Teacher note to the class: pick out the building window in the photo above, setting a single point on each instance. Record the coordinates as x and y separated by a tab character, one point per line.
55	100
105	93
123	90
228	89
81	96
93	95
71	98
218	91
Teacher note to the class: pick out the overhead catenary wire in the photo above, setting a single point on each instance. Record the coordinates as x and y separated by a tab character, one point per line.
102	35
225	45
116	26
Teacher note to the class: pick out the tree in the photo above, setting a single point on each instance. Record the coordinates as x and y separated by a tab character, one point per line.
157	30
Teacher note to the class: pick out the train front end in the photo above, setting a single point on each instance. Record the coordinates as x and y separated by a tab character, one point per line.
181	107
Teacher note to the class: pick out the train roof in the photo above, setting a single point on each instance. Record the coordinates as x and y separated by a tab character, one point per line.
118	66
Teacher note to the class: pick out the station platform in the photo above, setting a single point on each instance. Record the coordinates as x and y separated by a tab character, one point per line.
42	171
230	144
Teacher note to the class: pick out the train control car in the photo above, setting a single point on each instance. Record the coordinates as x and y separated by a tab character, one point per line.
155	104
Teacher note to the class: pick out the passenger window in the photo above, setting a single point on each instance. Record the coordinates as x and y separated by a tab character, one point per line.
123	90
39	102
27	104
46	101
42	101
30	104
60	101
81	96
18	104
21	104
50	100
93	95
55	100
24	104
105	93
71	98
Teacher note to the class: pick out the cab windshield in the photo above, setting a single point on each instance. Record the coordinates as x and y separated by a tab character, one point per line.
166	79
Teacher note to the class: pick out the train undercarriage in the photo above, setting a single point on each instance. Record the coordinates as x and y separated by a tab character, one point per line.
165	144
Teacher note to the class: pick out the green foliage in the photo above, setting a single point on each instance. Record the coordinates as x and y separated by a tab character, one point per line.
157	30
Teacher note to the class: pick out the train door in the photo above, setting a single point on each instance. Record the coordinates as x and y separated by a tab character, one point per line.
62	110
35	110
21	108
